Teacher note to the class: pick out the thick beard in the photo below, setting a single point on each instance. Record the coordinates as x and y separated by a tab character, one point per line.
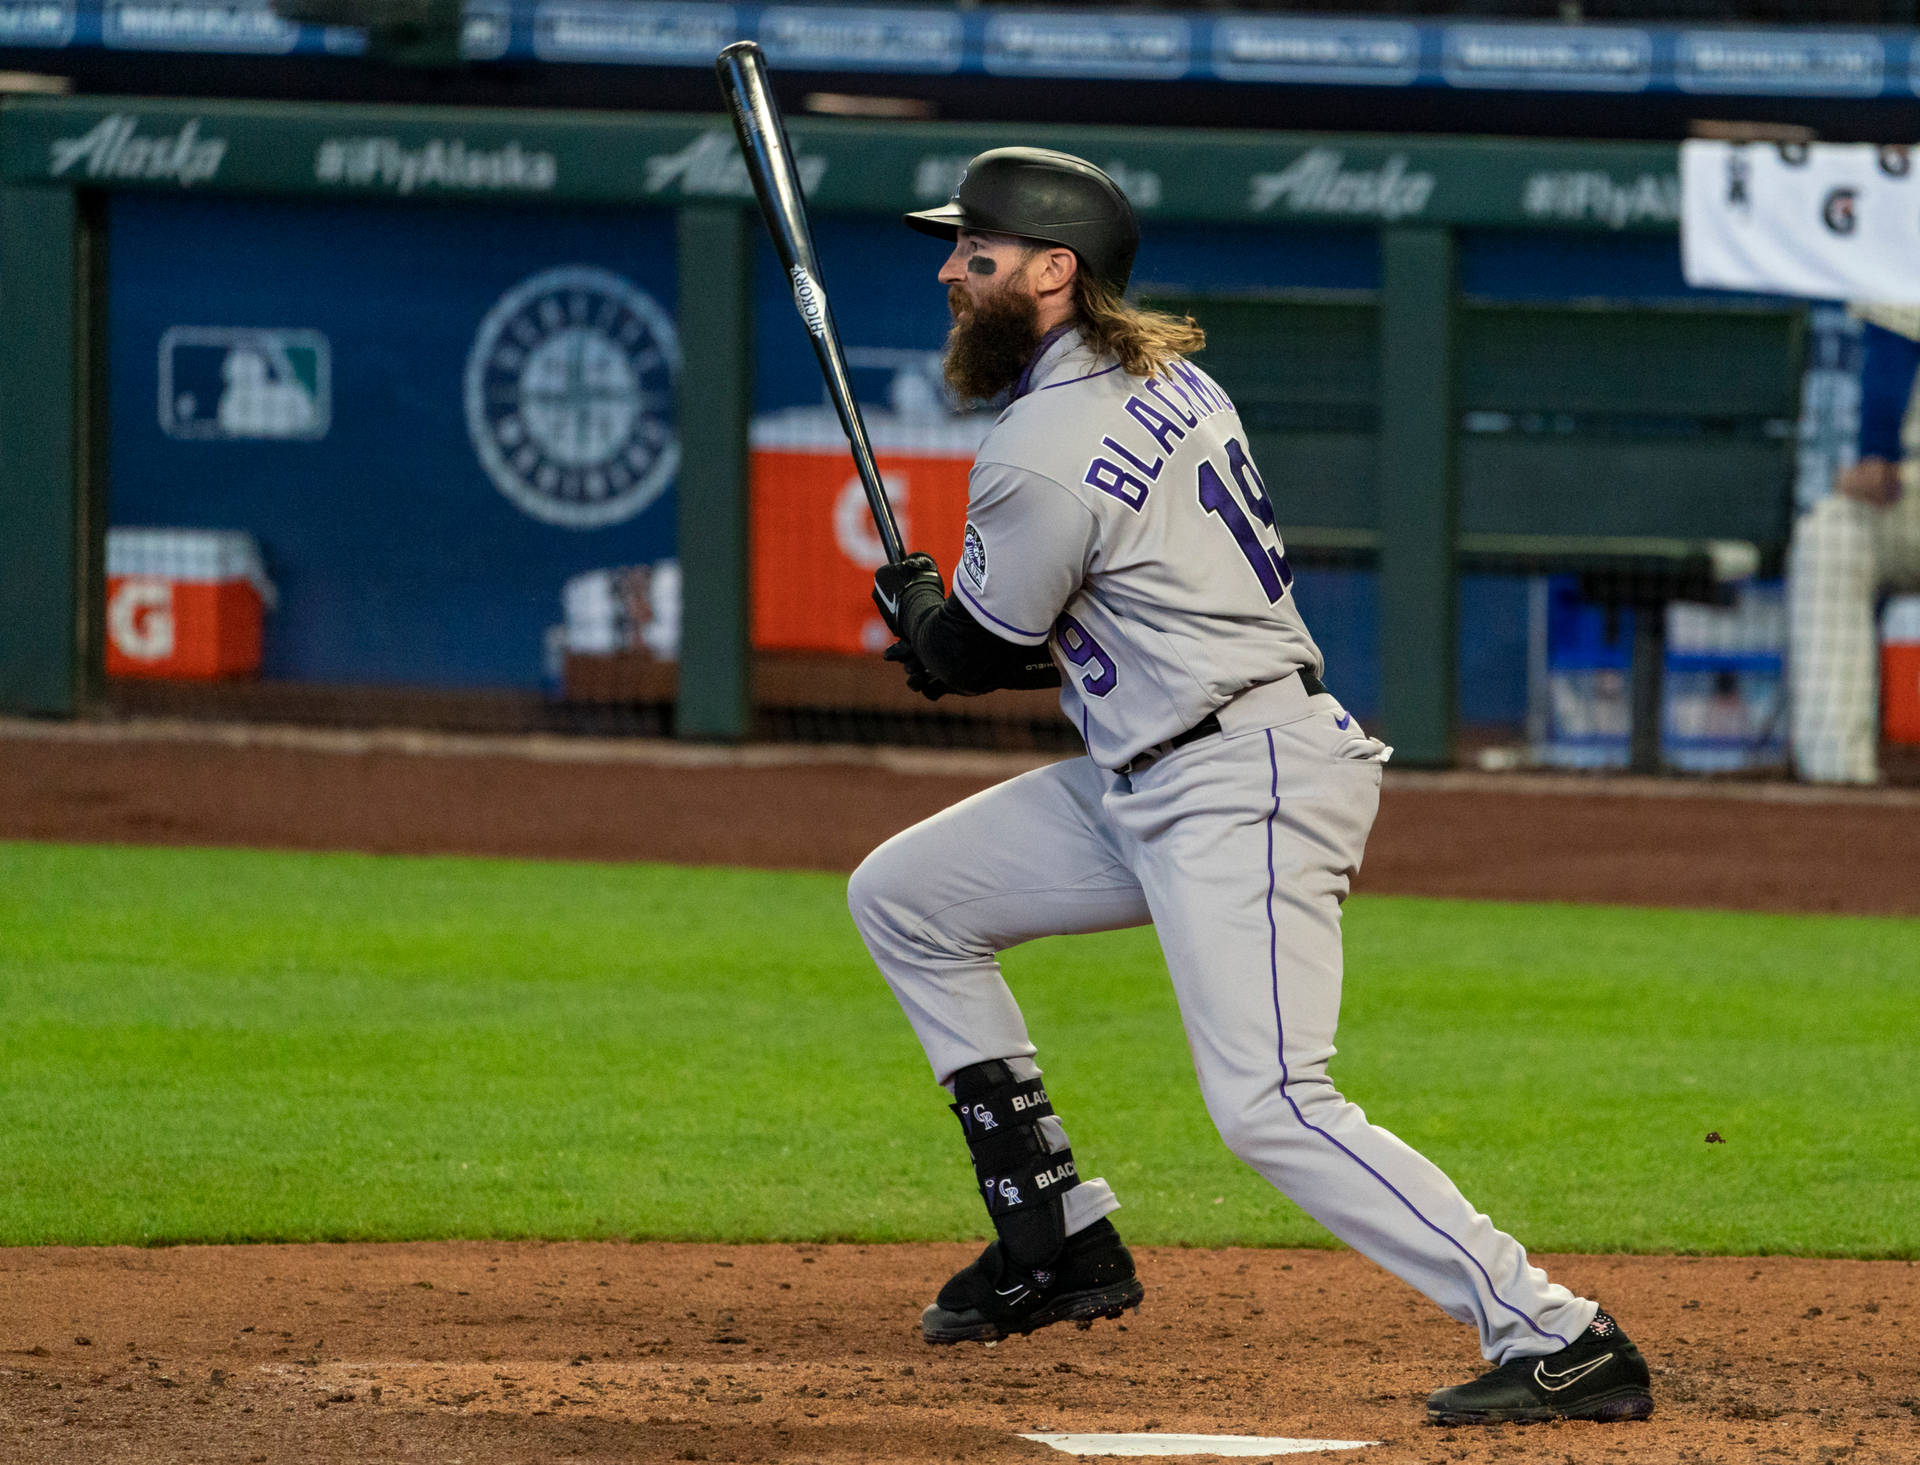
990	344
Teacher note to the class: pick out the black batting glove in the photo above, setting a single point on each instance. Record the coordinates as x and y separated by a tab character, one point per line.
907	592
919	679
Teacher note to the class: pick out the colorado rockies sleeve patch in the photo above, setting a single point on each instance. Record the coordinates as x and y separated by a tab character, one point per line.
973	558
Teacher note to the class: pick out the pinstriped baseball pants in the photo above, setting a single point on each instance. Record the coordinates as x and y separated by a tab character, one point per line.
1238	849
1844	554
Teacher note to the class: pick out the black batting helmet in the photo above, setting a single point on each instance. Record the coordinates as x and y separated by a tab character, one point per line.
1037	193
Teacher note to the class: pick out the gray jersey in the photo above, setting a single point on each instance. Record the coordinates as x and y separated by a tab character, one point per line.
1121	520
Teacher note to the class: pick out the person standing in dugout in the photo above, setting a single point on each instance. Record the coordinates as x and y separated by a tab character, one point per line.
1858	542
1120	544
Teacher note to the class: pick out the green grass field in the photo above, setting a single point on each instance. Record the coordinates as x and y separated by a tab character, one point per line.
222	1045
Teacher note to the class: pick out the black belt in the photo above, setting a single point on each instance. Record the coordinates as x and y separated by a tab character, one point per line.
1206	727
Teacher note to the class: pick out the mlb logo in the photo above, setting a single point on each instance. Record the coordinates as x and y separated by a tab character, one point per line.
242	382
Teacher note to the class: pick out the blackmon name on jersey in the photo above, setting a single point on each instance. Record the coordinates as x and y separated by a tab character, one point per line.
1127	526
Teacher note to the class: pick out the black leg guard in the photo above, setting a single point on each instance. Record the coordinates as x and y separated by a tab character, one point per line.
1034	1274
1022	1179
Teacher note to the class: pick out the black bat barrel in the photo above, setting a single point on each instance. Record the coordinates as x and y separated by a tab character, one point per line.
742	70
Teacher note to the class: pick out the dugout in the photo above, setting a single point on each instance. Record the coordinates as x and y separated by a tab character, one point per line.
1456	355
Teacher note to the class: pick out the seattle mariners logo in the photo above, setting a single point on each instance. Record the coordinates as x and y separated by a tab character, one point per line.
570	397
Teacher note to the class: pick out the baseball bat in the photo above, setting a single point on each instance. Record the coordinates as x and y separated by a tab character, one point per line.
742	69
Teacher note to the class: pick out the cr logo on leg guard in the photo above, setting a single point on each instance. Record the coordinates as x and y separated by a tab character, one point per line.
1023	1178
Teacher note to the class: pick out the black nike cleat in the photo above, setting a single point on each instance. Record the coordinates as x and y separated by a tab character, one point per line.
1599	1375
1092	1278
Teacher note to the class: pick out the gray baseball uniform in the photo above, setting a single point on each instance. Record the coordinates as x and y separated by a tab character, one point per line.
1122	521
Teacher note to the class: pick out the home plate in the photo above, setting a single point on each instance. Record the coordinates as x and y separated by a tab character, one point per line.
1190	1444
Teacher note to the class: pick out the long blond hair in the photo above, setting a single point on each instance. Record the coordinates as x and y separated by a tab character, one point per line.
1144	341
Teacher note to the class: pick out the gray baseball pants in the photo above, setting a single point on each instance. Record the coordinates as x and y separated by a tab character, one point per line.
1238	849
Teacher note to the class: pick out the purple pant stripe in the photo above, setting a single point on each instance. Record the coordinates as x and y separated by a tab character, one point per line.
1273	961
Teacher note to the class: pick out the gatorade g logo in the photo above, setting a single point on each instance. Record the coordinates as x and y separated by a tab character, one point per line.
140	619
810	303
853	529
1838	211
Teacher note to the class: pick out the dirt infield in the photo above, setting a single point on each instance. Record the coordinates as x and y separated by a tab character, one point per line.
485	1352
1509	837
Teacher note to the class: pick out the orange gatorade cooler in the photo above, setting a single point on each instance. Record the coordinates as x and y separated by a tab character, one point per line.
184	604
814	546
1900	668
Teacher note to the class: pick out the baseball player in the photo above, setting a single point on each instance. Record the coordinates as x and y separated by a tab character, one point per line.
1121	541
1862	539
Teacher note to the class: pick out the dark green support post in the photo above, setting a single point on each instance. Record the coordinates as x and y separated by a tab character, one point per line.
1646	686
716	398
44	543
1419	499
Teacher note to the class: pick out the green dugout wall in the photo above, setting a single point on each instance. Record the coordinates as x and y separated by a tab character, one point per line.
1411	353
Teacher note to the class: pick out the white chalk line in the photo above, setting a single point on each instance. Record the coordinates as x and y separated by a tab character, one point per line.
1191	1444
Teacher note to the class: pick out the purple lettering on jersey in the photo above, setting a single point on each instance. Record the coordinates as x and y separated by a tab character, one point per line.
1165	431
1188	418
1110	478
1269	565
1079	647
1151	470
1201	407
1195	386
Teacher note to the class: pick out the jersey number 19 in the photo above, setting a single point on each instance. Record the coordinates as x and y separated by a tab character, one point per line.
1269	566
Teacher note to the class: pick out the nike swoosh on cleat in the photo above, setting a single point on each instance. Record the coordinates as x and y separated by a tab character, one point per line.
1342	720
1553	1383
1013	1293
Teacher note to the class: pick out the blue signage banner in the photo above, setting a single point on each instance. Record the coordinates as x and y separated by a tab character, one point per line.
429	419
166	25
1345	52
1789	63
38	22
1547	57
819	37
1067	43
633	32
1003	41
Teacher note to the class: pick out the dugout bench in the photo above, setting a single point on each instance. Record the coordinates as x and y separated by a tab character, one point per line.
1647	449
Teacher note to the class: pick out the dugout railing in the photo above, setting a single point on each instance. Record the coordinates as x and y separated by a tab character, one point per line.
1441	433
